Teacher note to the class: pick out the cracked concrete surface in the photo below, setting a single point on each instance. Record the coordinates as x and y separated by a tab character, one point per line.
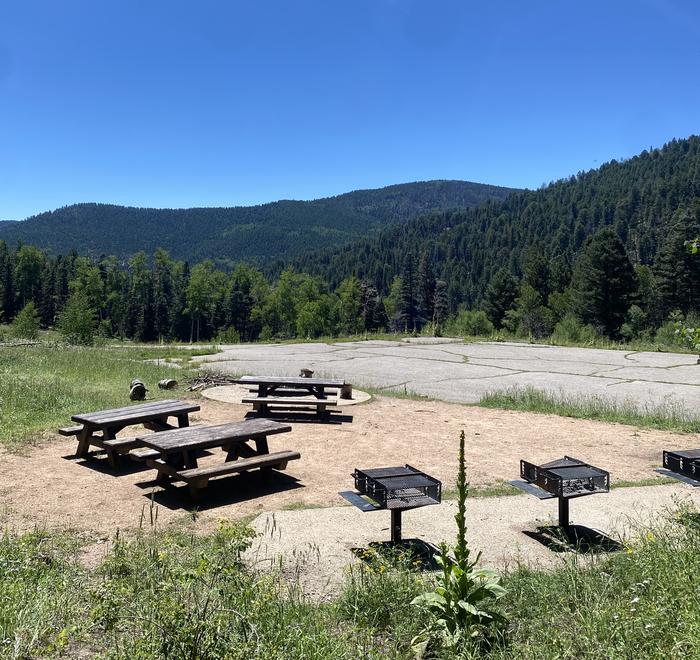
454	371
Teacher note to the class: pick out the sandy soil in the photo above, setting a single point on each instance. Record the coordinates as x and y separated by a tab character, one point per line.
46	485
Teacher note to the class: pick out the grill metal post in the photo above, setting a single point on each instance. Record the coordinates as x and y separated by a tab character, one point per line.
396	525
563	512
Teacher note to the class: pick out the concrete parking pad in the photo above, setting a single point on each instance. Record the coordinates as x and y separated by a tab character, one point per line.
450	370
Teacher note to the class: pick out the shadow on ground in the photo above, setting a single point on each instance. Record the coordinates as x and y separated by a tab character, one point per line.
415	554
574	538
220	492
302	418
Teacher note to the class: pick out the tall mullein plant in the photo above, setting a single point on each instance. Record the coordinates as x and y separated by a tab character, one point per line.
463	603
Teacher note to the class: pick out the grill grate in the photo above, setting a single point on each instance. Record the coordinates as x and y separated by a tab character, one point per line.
566	477
398	488
685	462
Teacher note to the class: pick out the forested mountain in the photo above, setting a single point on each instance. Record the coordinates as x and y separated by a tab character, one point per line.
256	234
639	198
604	253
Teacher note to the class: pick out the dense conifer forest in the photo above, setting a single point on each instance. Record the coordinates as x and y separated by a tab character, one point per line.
256	234
601	254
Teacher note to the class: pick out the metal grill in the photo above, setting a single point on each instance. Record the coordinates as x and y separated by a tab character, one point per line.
685	462
397	488
566	477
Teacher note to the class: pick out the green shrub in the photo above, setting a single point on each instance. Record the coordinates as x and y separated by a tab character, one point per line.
666	335
571	331
228	336
76	322
26	323
470	324
636	325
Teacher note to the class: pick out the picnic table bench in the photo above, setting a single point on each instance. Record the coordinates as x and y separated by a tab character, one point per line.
100	428
177	451
293	392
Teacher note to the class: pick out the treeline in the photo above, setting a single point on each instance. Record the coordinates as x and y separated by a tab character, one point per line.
160	298
601	293
640	198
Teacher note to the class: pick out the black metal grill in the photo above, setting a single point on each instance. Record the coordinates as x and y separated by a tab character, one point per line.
685	462
566	477
398	487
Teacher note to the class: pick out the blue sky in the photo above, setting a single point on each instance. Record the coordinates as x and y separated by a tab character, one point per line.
172	104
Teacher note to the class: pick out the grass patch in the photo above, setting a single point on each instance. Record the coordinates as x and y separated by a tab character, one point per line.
402	393
634	346
176	595
640	483
42	386
666	417
498	489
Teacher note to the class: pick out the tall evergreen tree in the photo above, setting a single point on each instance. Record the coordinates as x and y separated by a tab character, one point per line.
603	283
373	312
536	271
426	288
677	271
500	296
7	289
408	319
440	308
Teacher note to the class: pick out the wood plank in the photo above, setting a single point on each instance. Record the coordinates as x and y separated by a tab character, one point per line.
152	412
118	444
136	415
289	401
133	406
291	381
242	465
201	437
70	430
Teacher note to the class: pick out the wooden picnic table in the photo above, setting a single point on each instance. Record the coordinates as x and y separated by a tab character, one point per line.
178	449
100	428
289	391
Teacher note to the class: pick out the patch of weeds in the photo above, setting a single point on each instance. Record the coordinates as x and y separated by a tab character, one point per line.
666	417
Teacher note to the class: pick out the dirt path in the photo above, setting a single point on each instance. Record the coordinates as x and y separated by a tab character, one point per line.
48	486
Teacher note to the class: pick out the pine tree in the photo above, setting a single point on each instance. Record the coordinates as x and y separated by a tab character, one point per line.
440	308
407	312
7	292
603	283
677	271
26	324
426	288
536	271
500	296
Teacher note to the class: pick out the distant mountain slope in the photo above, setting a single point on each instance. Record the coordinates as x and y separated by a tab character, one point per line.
639	197
279	230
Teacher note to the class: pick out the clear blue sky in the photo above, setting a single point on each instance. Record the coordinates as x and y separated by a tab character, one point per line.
197	103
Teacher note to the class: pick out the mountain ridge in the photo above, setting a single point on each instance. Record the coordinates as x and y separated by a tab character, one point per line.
274	230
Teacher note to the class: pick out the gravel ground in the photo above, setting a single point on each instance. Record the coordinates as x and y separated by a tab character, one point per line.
316	543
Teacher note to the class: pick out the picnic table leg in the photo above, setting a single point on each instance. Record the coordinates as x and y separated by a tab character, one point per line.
183	420
112	457
261	445
176	461
83	442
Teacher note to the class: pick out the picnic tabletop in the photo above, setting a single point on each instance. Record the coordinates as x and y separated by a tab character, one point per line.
202	437
292	381
136	414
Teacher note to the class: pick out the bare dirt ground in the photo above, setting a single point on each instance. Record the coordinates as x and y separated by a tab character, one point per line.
47	486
